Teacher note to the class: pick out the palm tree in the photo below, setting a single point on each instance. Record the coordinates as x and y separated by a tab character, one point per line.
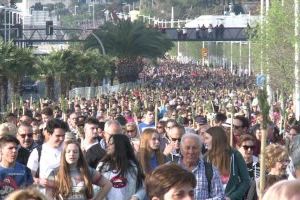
15	62
21	65
5	50
95	67
130	42
46	70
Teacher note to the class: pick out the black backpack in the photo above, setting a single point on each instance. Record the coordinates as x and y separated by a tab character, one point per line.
39	150
209	175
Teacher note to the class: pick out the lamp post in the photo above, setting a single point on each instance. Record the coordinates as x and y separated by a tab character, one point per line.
76	9
94	14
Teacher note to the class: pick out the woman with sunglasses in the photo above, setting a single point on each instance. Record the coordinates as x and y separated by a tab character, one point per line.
229	162
131	130
121	167
74	179
246	146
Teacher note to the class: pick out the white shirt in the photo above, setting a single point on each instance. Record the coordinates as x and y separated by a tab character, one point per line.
50	159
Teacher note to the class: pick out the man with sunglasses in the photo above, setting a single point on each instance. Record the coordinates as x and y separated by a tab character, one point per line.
25	137
172	149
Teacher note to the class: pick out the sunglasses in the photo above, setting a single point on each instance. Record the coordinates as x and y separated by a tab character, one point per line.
246	147
30	135
160	127
176	139
130	131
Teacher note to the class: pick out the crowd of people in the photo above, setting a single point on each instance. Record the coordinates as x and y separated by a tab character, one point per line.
191	133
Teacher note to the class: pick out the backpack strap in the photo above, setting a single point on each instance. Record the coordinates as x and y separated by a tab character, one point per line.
39	150
209	175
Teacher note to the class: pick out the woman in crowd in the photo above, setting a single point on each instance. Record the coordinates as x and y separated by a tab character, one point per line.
150	155
163	185
230	163
276	158
123	170
74	179
246	146
131	130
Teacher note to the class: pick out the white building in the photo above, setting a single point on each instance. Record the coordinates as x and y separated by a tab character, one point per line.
29	3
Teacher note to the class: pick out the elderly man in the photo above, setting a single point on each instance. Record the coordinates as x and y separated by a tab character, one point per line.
209	184
111	127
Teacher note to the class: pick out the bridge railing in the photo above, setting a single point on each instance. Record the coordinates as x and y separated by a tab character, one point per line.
214	34
90	92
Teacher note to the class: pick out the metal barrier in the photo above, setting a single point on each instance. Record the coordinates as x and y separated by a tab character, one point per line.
90	92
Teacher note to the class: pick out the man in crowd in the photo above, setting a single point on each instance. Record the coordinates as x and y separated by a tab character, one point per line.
172	150
148	121
13	175
207	187
72	122
91	146
43	160
110	127
25	137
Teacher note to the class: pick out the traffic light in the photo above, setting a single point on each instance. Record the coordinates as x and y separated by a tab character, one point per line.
49	27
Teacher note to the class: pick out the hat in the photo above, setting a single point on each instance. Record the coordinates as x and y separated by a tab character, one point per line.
227	123
200	120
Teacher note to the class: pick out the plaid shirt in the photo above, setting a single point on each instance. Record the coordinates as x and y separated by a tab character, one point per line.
201	190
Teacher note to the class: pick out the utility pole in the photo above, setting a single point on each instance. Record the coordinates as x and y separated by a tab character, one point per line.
297	82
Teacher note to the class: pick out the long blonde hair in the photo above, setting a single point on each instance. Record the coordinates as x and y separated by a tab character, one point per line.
145	152
63	178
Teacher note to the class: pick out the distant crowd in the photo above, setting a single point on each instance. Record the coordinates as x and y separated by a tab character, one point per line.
191	133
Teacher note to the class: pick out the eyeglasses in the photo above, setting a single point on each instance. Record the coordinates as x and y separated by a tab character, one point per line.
24	135
246	147
176	139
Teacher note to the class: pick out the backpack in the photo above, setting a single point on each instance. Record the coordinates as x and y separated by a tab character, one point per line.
39	150
209	175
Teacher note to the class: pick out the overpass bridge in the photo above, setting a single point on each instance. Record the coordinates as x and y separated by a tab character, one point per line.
206	34
31	36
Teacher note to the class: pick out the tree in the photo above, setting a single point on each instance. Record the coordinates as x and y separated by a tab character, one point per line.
18	62
95	67
46	67
130	42
276	40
